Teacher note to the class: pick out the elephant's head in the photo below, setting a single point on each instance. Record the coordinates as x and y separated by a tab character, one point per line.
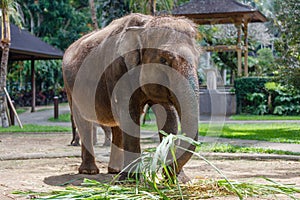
168	57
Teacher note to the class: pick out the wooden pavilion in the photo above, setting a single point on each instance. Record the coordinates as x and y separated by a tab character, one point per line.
211	12
25	46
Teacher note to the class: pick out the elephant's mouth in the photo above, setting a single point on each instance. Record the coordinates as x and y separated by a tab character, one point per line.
156	93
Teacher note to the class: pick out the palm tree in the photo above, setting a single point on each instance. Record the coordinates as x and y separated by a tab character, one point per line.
93	14
149	6
8	8
153	7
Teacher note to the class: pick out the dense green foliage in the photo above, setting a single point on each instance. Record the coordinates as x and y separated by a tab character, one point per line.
261	96
109	10
248	86
58	22
287	23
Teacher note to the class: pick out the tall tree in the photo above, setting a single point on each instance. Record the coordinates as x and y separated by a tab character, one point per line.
151	6
8	8
287	15
93	14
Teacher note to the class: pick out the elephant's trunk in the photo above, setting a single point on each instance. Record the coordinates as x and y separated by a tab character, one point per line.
187	108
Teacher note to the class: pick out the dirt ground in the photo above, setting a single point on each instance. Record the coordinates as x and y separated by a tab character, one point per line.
43	162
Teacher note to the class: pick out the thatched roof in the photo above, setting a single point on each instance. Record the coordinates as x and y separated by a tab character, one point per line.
218	12
25	46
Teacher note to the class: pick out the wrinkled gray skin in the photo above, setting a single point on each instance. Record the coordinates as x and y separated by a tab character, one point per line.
76	138
90	84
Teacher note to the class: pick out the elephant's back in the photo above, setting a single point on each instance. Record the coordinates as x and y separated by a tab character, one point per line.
77	52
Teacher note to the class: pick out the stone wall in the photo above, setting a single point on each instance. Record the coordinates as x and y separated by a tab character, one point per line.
217	103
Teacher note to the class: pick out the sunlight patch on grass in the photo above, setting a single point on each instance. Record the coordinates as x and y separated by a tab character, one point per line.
61	118
275	132
263	117
228	148
31	128
21	110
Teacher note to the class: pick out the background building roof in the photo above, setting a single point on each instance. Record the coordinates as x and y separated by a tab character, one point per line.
25	46
218	12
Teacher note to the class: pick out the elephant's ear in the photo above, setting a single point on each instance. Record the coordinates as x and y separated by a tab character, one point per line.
129	46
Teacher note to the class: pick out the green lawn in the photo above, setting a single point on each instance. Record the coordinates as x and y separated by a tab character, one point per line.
228	148
31	128
151	117
61	118
263	117
21	110
275	132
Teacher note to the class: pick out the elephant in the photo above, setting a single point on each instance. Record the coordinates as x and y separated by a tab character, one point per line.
112	73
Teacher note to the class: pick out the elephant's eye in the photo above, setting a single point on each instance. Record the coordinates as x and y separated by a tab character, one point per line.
163	61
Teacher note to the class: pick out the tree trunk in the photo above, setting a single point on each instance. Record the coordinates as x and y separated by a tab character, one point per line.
153	7
5	43
93	14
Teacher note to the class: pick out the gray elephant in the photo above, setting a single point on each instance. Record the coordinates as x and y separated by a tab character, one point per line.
111	74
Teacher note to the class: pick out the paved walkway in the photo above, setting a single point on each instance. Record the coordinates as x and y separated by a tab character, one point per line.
42	115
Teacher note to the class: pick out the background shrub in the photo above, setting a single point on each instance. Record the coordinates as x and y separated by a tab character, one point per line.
244	88
261	96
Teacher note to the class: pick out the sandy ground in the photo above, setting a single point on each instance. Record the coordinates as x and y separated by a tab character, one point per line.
43	162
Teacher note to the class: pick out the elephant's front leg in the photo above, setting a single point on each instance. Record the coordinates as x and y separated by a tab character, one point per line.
116	160
85	129
132	149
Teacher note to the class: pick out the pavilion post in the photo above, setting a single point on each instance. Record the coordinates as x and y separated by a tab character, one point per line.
239	48
246	48
33	89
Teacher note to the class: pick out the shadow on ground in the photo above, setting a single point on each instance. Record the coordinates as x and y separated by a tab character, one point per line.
76	179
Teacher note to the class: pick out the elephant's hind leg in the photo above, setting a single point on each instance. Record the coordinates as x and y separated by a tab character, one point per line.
85	128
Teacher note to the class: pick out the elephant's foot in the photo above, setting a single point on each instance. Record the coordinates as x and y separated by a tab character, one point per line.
88	169
182	177
75	141
75	144
127	176
112	170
